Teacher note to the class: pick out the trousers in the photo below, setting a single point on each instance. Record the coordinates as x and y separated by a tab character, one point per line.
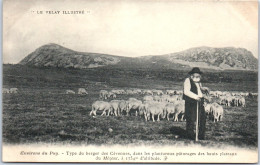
191	116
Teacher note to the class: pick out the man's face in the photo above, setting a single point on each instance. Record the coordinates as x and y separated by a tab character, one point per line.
196	77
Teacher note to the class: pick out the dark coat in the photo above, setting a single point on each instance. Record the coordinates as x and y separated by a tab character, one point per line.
191	104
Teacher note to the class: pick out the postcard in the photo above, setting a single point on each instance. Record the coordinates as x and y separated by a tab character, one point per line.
140	81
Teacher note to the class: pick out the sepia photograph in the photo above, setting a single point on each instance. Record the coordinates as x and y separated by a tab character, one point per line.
140	81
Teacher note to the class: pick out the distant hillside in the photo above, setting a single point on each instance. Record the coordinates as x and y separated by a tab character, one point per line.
53	55
217	58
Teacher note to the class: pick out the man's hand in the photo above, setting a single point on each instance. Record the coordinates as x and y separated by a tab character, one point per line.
205	90
197	98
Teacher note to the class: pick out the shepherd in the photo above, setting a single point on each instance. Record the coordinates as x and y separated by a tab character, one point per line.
194	108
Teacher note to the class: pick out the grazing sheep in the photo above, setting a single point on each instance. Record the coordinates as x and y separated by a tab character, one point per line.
170	92
169	109
103	94
154	108
217	112
13	90
5	90
179	109
157	92
82	91
133	104
148	98
115	106
122	106
111	94
70	91
101	106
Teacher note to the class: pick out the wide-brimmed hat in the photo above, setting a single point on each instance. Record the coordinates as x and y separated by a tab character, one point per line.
195	70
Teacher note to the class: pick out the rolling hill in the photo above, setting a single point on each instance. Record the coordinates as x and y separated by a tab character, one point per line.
217	58
229	58
53	55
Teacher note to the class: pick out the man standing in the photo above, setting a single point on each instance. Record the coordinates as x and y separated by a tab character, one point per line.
192	95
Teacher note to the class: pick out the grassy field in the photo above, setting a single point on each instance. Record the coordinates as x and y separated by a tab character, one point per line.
42	112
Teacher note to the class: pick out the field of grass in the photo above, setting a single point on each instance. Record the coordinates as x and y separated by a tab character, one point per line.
42	112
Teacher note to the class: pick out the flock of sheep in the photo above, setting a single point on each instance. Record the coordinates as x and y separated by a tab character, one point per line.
146	108
158	102
164	103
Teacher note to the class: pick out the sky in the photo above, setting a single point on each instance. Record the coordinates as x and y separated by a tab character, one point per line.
128	28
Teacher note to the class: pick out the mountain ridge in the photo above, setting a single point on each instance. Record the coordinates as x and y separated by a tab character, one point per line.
227	58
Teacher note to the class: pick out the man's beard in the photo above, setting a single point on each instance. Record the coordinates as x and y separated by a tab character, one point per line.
196	80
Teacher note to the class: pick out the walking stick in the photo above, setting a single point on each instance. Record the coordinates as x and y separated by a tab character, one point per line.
197	123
